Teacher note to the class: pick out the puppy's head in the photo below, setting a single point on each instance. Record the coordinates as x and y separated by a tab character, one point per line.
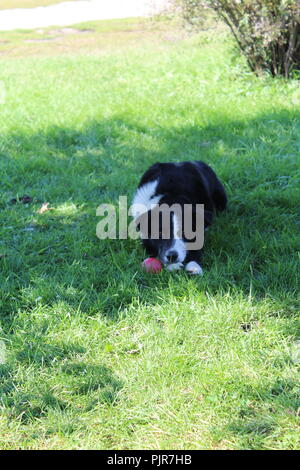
168	233
160	231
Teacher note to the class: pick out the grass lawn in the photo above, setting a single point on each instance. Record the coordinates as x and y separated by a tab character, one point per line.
9	4
97	353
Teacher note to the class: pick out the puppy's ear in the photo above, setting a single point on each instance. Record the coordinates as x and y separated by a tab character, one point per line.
151	174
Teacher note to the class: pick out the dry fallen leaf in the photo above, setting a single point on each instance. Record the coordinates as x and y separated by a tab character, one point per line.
45	207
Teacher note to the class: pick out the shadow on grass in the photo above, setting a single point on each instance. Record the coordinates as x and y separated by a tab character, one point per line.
34	396
57	255
262	411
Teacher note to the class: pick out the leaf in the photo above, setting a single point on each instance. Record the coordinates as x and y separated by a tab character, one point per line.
45	207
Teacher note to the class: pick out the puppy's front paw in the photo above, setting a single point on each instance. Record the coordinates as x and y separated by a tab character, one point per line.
193	268
174	266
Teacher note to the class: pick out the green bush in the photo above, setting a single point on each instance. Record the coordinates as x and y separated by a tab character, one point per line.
266	31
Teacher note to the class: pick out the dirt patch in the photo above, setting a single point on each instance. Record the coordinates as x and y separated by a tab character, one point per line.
64	31
54	34
42	39
74	31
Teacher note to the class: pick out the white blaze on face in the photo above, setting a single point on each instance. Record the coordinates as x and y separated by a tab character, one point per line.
178	244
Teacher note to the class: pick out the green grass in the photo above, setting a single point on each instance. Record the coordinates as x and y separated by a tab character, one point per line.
98	353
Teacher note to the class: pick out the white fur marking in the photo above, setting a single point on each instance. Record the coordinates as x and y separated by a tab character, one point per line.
178	244
144	199
194	268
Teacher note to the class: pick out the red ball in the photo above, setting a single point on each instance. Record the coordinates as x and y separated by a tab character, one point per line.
152	265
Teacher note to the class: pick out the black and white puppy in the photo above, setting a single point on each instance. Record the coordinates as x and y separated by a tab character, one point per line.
178	183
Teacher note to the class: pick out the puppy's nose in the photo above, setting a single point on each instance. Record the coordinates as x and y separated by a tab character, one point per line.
172	256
